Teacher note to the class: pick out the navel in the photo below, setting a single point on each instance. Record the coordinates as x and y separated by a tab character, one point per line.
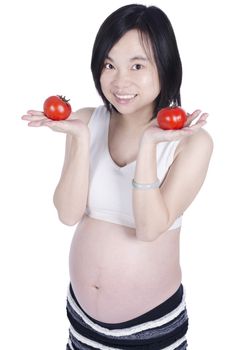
96	287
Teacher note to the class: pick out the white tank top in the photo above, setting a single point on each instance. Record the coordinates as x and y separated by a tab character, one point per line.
110	186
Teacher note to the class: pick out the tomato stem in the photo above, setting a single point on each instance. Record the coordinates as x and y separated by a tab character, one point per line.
173	104
63	98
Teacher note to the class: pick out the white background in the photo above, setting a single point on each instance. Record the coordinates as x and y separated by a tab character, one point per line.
46	49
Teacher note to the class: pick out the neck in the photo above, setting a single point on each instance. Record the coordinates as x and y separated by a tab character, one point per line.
134	121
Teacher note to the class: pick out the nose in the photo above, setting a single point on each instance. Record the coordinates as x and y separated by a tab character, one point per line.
121	80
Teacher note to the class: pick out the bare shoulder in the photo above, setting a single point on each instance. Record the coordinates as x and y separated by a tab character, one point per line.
84	114
199	142
202	140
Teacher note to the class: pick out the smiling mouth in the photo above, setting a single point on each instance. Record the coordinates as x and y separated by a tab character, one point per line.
125	97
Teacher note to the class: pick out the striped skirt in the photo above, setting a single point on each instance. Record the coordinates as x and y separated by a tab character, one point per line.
163	327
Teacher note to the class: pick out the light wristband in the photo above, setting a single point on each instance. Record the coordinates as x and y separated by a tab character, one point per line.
139	186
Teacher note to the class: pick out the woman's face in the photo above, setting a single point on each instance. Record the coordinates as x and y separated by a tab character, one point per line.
129	79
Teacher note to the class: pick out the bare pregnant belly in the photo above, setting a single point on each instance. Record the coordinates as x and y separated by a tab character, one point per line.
116	277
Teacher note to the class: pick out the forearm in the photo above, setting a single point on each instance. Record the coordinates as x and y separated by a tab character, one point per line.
150	211
70	196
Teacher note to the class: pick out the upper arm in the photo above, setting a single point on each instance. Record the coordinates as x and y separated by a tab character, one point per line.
187	173
84	114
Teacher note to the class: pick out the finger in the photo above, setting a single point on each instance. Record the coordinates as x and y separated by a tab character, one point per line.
34	123
34	112
37	123
191	117
200	124
201	121
197	126
33	117
203	117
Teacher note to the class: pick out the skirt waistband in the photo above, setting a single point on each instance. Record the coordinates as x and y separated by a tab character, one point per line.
158	312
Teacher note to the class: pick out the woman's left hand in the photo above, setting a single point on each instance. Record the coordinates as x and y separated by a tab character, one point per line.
155	134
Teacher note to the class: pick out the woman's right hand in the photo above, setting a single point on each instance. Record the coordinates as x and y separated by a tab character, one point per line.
72	125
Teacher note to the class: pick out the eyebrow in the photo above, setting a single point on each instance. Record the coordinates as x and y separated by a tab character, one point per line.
135	58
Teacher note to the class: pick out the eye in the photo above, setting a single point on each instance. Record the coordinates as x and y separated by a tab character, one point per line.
108	66
137	66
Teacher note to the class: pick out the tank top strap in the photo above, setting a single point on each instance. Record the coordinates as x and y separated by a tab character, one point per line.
98	123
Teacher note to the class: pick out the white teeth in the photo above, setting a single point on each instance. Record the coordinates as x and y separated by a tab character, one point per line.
125	97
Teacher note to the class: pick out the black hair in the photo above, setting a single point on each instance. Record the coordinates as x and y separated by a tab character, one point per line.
154	25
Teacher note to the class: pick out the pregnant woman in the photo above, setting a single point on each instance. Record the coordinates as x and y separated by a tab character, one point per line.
126	183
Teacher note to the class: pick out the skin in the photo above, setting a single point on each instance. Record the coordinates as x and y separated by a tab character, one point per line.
109	289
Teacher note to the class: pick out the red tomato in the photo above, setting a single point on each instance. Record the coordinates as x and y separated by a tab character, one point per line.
57	108
172	117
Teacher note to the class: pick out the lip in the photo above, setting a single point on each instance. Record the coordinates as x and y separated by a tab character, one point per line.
124	98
